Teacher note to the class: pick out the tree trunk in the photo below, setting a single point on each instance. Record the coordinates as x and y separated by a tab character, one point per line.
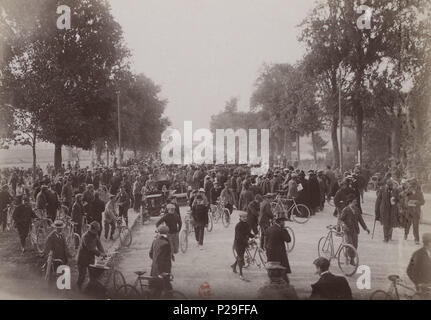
313	142
57	157
359	129
395	143
33	147
298	151
334	139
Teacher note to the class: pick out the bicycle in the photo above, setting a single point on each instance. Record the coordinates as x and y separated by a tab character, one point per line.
220	211
105	284
346	254
184	234
40	229
424	292
299	212
250	255
141	288
123	232
49	269
72	238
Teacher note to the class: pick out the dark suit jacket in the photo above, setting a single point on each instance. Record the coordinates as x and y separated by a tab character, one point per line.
161	255
419	269
275	245
331	287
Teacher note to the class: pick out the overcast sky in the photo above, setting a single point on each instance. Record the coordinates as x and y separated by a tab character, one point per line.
202	52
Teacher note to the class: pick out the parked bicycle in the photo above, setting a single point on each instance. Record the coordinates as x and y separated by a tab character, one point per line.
254	254
298	212
141	288
220	211
393	293
346	254
123	232
105	280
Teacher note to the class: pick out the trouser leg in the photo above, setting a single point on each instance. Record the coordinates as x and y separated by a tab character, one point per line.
82	272
416	218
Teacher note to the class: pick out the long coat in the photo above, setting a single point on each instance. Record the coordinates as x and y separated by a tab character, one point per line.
387	213
419	269
161	255
331	287
276	237
314	192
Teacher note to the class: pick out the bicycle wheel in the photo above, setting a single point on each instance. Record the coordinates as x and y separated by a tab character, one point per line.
380	295
125	237
183	241
128	292
348	259
118	279
324	248
291	244
300	213
262	257
40	240
216	216
225	218
210	222
73	244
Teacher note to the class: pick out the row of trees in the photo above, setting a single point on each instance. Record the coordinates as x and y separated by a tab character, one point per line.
381	75
61	86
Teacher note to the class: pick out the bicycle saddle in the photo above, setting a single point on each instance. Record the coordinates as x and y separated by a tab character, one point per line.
140	273
393	277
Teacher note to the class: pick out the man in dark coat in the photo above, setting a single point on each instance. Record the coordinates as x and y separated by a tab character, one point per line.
386	209
200	217
56	243
276	288
314	192
414	201
419	268
242	234
275	244
22	216
253	210
89	248
123	200
97	210
161	254
173	221
245	197
329	286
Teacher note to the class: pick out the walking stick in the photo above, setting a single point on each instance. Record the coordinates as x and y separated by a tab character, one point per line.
374	227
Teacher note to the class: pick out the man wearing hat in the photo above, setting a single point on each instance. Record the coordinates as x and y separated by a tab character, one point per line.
5	200
56	243
123	200
414	198
42	200
161	254
350	218
173	222
329	286
277	288
275	244
253	210
22	217
242	234
89	248
228	197
386	209
419	268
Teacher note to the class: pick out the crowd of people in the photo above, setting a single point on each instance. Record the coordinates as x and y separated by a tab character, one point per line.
104	194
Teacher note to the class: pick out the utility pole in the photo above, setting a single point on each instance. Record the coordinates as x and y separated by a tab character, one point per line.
120	156
340	116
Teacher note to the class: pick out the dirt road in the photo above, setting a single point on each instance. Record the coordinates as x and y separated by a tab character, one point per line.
196	268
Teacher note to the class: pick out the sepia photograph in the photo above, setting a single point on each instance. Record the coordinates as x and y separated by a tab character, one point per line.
215	150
